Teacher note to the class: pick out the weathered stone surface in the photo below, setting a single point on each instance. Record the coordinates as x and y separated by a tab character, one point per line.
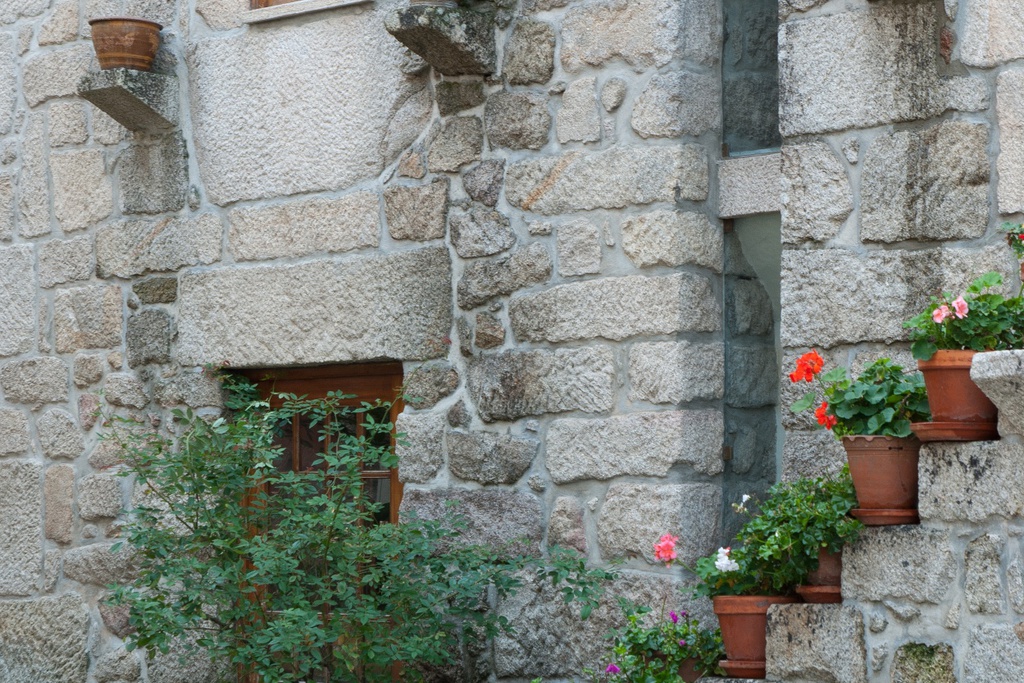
89	368
480	231
816	194
7	204
753	377
489	332
116	619
872	295
106	454
970	482
749	185
483	182
67	120
899	562
529	53
421	449
33	181
63	261
183	664
613	94
99	497
154	175
493	517
156	290
515	384
517	120
928	185
643	34
117	665
305	227
983	589
585	310
748	309
610	179
417	212
681	103
127	99
17	295
529	265
58	496
193	389
40	380
672	238
125	389
816	642
578	120
149	338
394	306
98	565
489	458
991	33
343	63
59	435
82	193
1000	375
87	318
565	526
637	444
455	96
427	384
676	372
8	80
453	41
579	248
994	652
811	454
634	516
858	69
21	507
134	247
13	432
1010	162
45	639
455	143
920	663
55	73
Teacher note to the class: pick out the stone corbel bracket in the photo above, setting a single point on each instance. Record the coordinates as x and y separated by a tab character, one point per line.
139	100
454	41
1000	374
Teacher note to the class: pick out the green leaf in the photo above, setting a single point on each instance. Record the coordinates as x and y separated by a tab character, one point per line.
803	403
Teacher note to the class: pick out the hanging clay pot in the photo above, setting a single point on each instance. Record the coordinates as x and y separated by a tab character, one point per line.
743	620
884	472
125	42
960	410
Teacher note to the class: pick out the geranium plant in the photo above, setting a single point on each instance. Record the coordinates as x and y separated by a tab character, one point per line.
1015	238
883	400
977	320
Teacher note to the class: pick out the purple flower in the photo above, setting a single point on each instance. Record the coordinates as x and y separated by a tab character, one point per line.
682	643
683	613
612	669
674	617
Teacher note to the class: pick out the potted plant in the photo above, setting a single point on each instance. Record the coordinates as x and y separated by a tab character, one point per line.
946	336
872	416
1015	238
674	647
125	42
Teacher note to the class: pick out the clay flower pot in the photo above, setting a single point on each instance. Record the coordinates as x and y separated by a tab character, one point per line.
824	583
690	670
743	619
884	471
125	42
960	410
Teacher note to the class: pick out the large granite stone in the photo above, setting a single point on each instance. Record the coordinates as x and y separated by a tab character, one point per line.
59	496
908	563
1010	162
425	385
970	482
99	497
21	507
529	53
193	389
453	41
643	33
134	247
1000	374
672	238
676	372
994	652
493	517
454	96
920	663
481	281
148	338
483	182
680	103
82	191
752	378
816	194
8	80
455	143
13	432
983	569
517	120
749	185
62	261
33	180
35	381
991	33
578	120
489	458
99	565
480	231
46	639
579	248
420	448
55	73
394	306
60	437
17	295
816	642
417	212
154	175
87	318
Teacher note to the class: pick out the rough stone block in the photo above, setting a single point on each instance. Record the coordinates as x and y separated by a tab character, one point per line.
8	80
529	53
58	496
184	663
62	261
591	309
13	432
610	179
1000	375
82	192
36	381
970	482
99	565
816	642
811	454
455	143
816	194
636	445
148	338
994	652
483	182
55	73
453	41
489	458
46	639
672	238
613	94
429	383
480	231
565	526
858	69
59	435
193	389
34	183
67	122
983	588
125	389
899	562
749	185
991	33
138	100
489	332
920	663
578	120
515	384
517	120
455	96
1010	162
87	318
17	296
154	175
752	379
681	103
88	369
529	265
928	185
643	33
676	372
134	247
420	448
7	204
492	516
579	248
99	497
117	665
156	290
21	506
417	212
392	306
748	309
634	516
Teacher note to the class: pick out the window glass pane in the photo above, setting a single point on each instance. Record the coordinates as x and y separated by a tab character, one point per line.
379	491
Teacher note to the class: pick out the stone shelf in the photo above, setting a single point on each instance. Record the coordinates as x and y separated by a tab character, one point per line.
138	100
454	41
1000	374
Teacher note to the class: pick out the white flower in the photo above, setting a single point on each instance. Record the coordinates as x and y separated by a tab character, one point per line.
745	499
723	563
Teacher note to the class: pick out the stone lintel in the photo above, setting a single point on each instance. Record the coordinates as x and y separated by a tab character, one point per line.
138	100
454	41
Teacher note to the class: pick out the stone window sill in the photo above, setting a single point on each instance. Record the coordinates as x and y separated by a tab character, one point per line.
294	9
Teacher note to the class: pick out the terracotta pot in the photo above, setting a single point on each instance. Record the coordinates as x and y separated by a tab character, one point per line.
824	583
690	670
125	42
743	619
952	396
884	472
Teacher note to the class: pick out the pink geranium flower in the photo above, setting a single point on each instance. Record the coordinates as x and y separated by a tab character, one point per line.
665	549
940	313
961	308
